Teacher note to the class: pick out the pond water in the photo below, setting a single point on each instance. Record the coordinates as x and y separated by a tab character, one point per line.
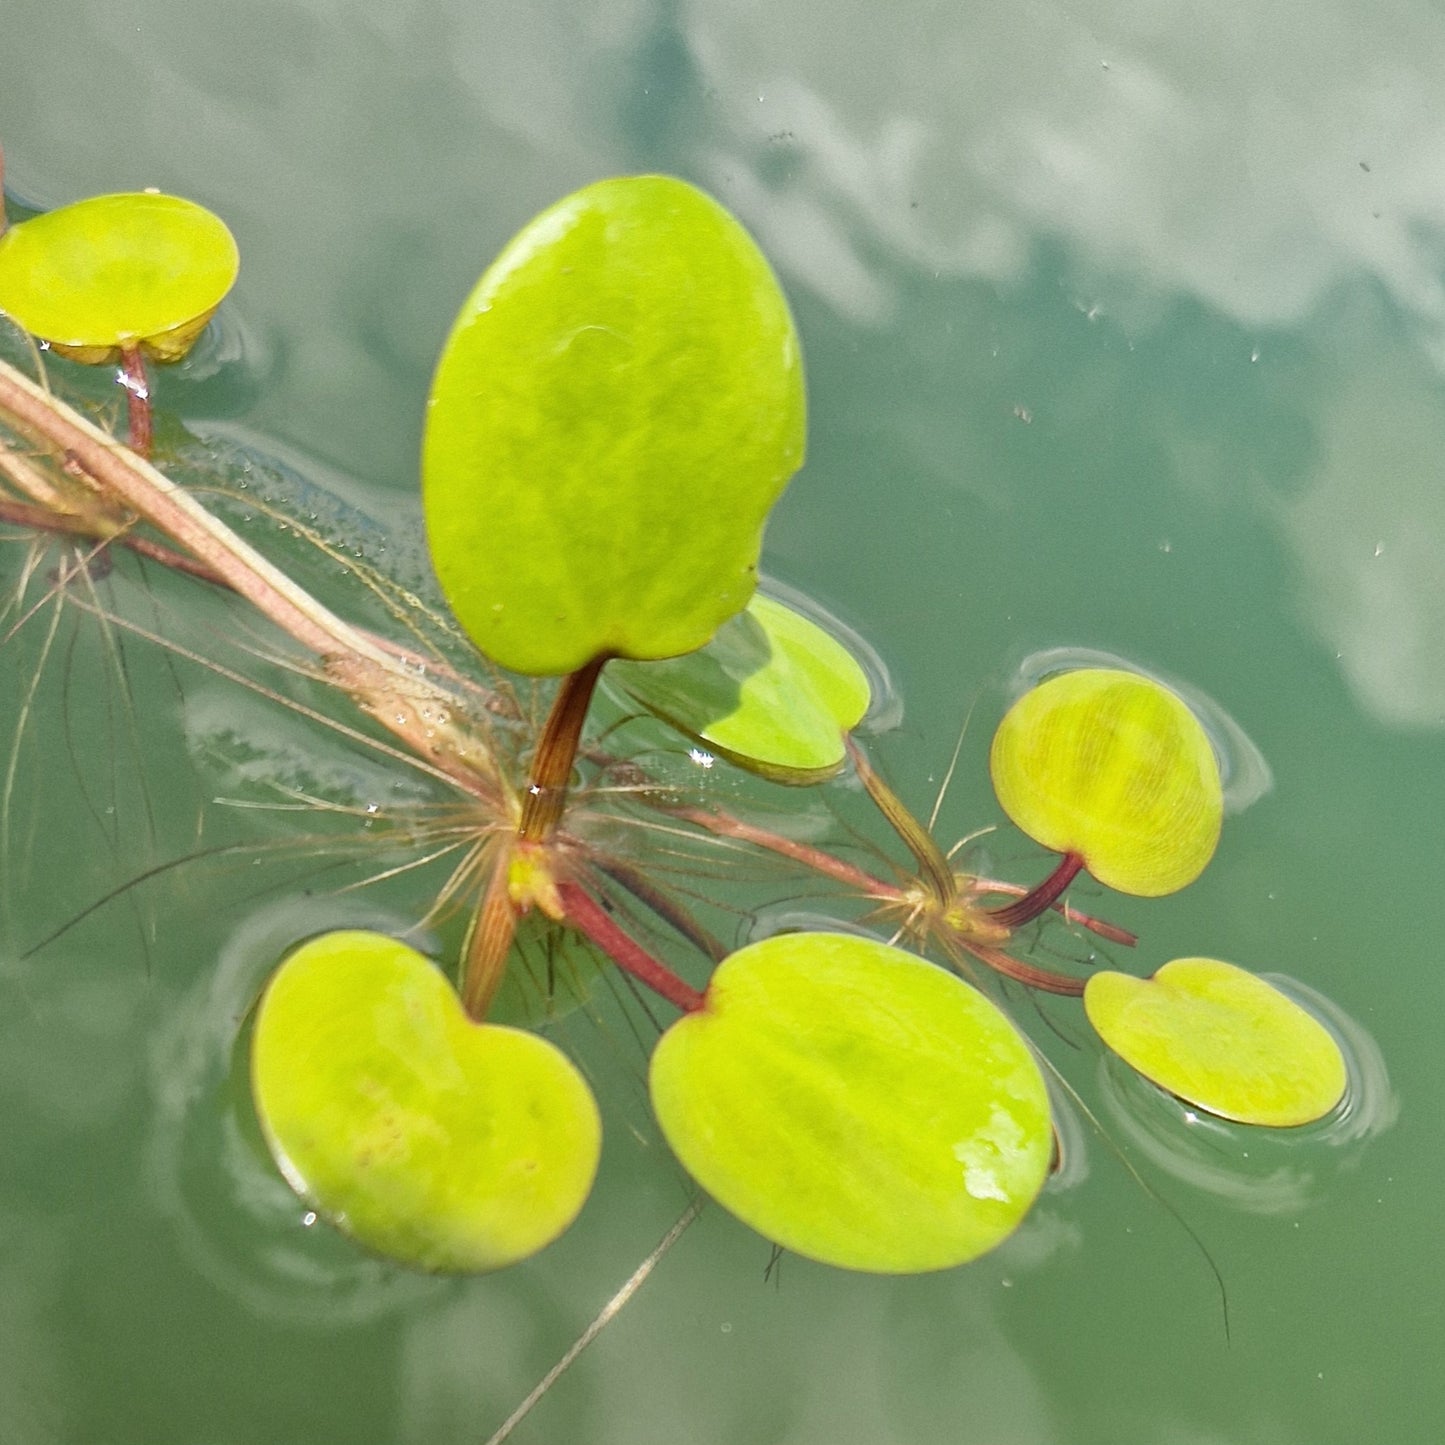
1125	330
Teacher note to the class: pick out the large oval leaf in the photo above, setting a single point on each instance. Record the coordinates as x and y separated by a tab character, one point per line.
855	1104
136	268
1220	1038
437	1141
618	405
1112	766
772	692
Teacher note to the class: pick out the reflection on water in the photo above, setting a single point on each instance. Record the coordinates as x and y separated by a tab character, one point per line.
1125	327
1250	157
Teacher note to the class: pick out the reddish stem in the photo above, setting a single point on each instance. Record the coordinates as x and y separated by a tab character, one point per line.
25	514
589	918
1110	931
1040	898
546	794
1065	910
137	399
727	826
1027	973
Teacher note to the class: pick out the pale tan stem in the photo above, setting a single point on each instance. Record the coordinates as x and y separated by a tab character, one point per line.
406	704
489	941
26	477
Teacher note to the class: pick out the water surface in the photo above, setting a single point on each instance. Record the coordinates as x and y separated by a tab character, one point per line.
1125	330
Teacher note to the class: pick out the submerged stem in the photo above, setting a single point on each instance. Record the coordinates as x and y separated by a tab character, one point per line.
916	838
137	384
582	912
380	682
608	1313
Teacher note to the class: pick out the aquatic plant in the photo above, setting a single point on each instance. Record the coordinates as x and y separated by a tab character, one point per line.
122	277
618	406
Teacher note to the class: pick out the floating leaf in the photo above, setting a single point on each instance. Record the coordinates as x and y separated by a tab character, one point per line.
772	691
618	405
855	1104
1222	1039
440	1142
132	269
1112	766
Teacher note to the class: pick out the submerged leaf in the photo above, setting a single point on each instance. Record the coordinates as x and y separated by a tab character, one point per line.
1220	1038
1114	767
772	691
855	1104
618	406
437	1141
136	268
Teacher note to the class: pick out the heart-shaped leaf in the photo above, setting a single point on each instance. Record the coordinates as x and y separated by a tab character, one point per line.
440	1142
772	692
855	1104
618	406
1222	1039
137	268
1114	767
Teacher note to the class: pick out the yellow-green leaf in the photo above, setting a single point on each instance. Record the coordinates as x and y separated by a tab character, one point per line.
772	691
618	406
855	1104
443	1143
1222	1039
1113	766
131	269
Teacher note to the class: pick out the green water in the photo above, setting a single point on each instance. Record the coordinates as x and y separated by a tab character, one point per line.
1125	331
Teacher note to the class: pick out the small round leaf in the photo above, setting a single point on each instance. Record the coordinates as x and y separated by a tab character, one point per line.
855	1104
131	269
1112	766
772	692
437	1141
1222	1039
618	406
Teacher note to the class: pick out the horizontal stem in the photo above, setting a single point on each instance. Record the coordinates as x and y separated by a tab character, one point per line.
67	524
724	825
